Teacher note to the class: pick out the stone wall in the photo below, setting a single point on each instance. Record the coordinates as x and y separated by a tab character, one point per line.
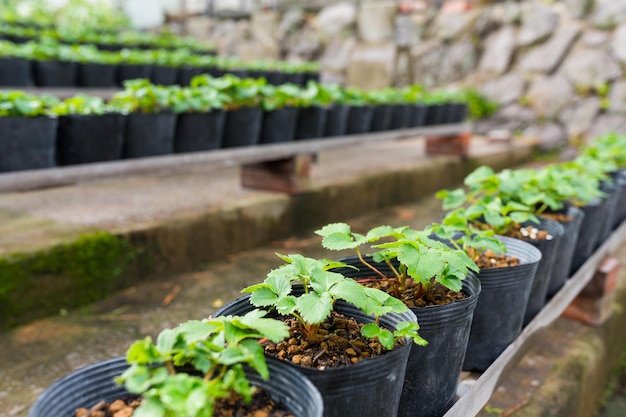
555	67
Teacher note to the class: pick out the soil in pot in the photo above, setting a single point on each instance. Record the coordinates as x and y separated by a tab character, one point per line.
54	73
505	281
279	125
90	138
95	383
310	122
571	219
242	127
336	120
359	119
262	405
432	371
370	387
199	131
96	75
15	72
149	135
27	143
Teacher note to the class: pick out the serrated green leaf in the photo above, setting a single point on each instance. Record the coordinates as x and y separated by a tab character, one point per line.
314	308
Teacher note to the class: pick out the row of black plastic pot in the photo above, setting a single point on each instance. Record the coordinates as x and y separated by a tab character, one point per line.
20	72
45	142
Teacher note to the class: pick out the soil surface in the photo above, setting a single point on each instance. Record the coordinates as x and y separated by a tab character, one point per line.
414	294
559	217
490	259
337	342
262	405
530	233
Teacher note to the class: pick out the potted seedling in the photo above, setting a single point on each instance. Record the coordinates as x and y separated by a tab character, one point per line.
280	106
360	113
337	112
89	131
315	101
27	131
352	342
15	67
96	68
486	207
202	368
507	270
150	125
436	282
383	110
201	118
54	64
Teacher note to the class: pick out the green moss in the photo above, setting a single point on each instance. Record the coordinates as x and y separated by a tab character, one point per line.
68	275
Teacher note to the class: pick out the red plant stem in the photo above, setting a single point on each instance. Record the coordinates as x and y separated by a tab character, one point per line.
358	252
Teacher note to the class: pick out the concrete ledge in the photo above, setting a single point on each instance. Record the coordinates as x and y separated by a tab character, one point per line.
123	251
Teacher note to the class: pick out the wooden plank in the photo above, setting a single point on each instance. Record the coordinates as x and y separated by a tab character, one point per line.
478	394
220	158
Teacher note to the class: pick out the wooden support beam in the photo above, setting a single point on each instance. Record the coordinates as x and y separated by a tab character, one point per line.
287	175
456	144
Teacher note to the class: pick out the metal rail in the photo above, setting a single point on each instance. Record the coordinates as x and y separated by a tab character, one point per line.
479	393
50	177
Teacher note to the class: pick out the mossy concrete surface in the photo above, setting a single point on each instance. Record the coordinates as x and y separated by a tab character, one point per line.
67	246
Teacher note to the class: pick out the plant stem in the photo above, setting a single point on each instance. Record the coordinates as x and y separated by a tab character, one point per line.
170	368
370	266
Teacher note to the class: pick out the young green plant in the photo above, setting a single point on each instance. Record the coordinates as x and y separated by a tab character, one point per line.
192	366
420	258
321	288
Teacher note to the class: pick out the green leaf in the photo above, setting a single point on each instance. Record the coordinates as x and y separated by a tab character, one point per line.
314	308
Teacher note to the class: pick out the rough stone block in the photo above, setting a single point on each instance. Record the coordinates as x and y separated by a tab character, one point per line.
372	66
376	21
499	48
449	145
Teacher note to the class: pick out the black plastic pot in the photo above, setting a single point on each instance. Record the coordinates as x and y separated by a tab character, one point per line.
132	72
90	138
400	116
381	118
275	77
185	74
27	143
54	73
149	135
96	75
369	388
16	72
565	253
457	112
310	123
500	310
336	120
91	384
311	76
417	115
433	371
435	114
548	249
359	119
294	78
199	131
612	190
279	125
590	229
242	127
164	75
620	212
